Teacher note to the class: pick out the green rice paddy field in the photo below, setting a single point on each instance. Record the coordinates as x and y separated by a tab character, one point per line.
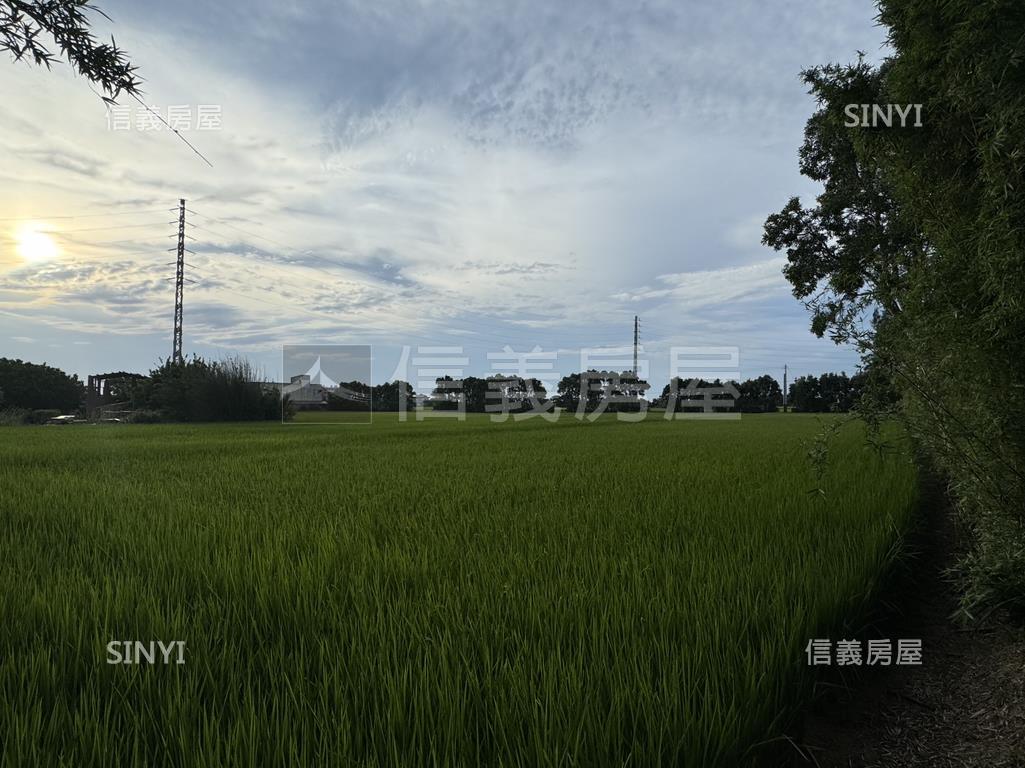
433	593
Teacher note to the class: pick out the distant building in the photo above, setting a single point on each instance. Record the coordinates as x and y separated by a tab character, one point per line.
304	394
109	392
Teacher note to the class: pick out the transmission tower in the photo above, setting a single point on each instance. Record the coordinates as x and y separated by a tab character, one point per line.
179	286
636	335
784	388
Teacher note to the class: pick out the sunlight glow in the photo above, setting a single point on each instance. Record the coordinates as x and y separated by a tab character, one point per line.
35	245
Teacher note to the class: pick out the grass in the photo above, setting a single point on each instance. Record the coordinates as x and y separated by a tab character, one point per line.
434	593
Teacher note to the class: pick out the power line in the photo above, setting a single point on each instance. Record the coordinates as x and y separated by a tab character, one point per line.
83	215
176	131
113	243
250	245
305	253
61	233
243	231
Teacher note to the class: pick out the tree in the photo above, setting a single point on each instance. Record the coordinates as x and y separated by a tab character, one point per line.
497	393
761	395
696	395
828	393
39	387
614	391
836	393
392	396
350	396
629	390
447	393
568	397
23	21
805	395
535	388
474	393
915	252
848	254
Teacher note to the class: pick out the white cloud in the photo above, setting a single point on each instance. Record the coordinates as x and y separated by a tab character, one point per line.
696	290
403	169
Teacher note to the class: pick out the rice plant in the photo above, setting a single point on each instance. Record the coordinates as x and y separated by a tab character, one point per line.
437	593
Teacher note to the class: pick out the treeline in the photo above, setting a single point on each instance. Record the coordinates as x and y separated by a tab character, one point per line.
759	395
611	391
391	396
510	394
914	251
828	393
35	393
190	391
198	390
32	386
838	393
588	391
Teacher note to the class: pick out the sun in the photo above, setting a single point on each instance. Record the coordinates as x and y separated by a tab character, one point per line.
35	245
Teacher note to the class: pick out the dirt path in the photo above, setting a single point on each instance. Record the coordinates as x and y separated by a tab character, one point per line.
965	706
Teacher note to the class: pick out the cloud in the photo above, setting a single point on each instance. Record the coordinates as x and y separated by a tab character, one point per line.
517	172
717	286
500	268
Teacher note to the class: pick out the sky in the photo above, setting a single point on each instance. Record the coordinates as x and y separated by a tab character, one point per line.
422	173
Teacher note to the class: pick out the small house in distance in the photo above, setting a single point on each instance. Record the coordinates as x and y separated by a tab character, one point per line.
108	394
304	394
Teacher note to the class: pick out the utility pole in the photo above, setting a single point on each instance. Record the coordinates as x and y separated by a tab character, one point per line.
635	344
784	387
179	286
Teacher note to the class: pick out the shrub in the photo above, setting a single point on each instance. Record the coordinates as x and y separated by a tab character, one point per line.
32	386
145	417
200	390
13	417
43	415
